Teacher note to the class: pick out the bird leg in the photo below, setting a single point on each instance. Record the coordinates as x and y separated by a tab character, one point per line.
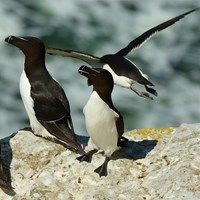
87	157
102	170
141	94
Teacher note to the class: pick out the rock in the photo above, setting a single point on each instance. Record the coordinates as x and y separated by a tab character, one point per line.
40	169
174	168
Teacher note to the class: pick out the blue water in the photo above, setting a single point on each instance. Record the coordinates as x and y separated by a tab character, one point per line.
171	58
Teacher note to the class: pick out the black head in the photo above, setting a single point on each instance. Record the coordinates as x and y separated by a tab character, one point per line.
101	79
30	46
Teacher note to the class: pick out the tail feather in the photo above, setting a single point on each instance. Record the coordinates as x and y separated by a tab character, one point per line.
65	135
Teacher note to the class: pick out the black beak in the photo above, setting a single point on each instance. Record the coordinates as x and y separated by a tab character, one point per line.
84	70
89	72
9	39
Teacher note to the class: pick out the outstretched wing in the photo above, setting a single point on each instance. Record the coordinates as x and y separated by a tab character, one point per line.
90	59
137	42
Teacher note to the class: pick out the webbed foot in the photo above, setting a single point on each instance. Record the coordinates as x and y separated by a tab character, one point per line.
151	90
102	170
141	94
87	157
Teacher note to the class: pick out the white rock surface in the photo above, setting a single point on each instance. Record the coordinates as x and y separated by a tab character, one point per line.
41	169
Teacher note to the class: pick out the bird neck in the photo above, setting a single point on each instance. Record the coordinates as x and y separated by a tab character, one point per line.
36	69
105	96
35	61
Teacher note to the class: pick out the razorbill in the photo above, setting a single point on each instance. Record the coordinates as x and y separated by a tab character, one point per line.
103	121
44	99
125	73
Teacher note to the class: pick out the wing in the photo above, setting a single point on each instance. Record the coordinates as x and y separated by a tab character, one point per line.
63	133
119	121
90	59
137	42
53	112
120	125
50	101
122	141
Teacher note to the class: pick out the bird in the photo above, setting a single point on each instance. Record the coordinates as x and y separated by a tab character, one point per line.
125	73
44	99
104	123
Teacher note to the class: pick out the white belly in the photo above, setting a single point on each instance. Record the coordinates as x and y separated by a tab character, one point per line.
100	124
25	91
123	81
119	80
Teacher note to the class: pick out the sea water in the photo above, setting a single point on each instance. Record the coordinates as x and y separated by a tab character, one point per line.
170	58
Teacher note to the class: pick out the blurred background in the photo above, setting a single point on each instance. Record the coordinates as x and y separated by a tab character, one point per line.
170	58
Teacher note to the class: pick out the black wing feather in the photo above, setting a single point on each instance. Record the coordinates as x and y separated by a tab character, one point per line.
88	58
62	132
137	42
53	112
50	101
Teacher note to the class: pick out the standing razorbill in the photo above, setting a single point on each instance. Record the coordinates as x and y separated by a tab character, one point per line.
125	73
44	99
104	123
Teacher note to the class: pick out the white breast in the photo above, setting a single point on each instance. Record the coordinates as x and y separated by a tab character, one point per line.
123	81
100	124
25	91
119	80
